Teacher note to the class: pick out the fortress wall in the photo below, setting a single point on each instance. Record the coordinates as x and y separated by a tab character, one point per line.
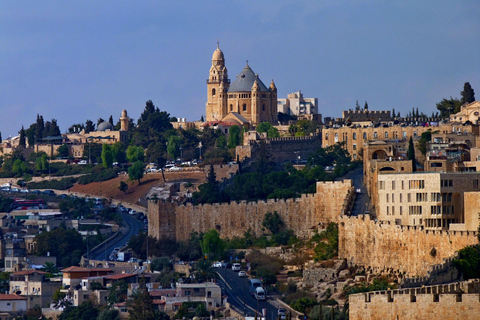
301	215
449	302
385	247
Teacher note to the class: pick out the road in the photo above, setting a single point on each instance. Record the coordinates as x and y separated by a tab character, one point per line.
134	227
361	201
238	295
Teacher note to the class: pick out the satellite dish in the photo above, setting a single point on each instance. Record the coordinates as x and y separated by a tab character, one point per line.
18	292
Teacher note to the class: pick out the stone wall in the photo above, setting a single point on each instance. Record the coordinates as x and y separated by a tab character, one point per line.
446	302
388	248
302	215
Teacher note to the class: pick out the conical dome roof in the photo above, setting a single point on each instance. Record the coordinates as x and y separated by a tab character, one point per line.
218	54
245	80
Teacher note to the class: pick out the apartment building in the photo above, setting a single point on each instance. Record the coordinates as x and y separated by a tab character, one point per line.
433	200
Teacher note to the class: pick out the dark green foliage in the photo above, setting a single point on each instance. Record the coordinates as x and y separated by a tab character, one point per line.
221	142
99	174
273	222
51	129
234	137
425	138
5	204
217	156
135	172
89	126
188	310
66	245
468	262
123	187
34	313
468	95
284	118
152	125
85	311
22	139
267	127
303	305
62	184
303	128
161	264
109	314
142	304
264	266
377	284
135	153
212	245
448	107
117	292
63	151
327	243
107	156
411	150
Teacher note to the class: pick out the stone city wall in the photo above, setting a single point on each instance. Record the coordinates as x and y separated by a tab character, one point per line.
302	215
388	248
446	302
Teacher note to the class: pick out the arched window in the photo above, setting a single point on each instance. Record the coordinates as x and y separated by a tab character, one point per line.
231	107
263	107
244	107
213	92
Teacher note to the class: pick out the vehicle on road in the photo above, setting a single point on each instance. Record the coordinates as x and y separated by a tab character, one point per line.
260	293
242	274
217	265
282	313
253	284
236	267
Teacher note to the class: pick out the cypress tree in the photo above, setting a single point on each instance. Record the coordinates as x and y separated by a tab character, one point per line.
22	142
468	95
411	153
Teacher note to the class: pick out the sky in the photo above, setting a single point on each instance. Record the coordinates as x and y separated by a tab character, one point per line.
79	60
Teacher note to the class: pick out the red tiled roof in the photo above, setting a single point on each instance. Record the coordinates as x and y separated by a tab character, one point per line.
158	301
80	269
25	272
219	122
177	303
11	297
120	276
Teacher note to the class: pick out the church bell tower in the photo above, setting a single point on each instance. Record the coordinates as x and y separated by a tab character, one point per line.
217	87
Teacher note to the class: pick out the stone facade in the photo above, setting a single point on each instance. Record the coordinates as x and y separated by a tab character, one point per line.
355	136
446	302
281	149
177	221
246	96
387	248
432	200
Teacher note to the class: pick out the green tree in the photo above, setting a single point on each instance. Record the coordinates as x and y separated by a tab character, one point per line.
107	156
468	262
142	304
118	152
85	311
41	163
123	187
135	172
468	95
19	167
117	292
212	245
447	107
135	153
63	151
22	142
109	314
273	222
234	137
39	128
411	153
173	147
267	127
51	129
89	126
221	142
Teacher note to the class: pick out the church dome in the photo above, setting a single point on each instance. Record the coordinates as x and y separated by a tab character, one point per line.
104	126
218	54
245	81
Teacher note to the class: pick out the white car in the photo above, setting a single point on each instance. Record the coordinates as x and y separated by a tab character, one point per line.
217	265
236	267
242	274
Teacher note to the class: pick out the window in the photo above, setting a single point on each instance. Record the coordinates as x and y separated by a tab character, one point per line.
393	197
400	198
416	184
213	92
475	184
375	135
414	134
404	134
231	107
401	210
354	146
364	136
244	107
263	107
381	185
393	185
326	136
354	136
386	135
336	137
388	198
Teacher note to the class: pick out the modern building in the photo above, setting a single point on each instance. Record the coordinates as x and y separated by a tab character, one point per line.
34	286
433	200
296	105
246	96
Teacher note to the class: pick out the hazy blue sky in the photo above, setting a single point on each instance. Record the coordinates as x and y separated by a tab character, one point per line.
82	60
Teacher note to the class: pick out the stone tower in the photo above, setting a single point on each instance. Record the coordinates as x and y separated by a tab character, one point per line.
217	87
124	120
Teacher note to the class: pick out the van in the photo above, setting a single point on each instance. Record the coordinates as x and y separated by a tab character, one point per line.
259	293
253	284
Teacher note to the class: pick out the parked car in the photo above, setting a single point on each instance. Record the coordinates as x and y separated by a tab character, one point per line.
217	265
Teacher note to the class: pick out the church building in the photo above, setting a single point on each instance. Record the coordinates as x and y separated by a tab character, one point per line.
246	100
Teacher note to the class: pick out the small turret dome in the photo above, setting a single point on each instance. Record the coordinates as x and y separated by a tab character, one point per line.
218	54
104	126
